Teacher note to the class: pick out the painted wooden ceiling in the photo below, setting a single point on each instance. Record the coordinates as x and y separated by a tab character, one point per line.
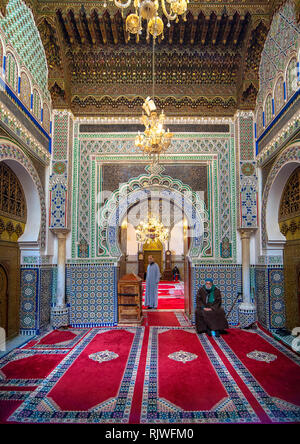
206	65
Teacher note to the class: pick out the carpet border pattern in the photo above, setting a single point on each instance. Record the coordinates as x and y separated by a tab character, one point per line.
152	410
28	411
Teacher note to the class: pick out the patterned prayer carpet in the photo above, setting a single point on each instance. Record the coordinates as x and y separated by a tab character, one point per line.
162	372
170	295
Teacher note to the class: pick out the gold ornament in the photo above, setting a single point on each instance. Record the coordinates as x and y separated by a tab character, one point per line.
148	9
133	23
179	7
156	26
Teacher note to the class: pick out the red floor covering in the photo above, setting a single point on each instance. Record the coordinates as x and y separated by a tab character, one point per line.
170	295
272	379
161	372
156	318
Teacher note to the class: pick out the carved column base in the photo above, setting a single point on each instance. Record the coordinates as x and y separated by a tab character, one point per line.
59	317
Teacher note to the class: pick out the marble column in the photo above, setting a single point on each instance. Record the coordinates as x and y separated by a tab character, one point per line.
60	312
247	310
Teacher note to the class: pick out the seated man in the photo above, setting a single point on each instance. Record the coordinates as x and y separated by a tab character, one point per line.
210	316
175	272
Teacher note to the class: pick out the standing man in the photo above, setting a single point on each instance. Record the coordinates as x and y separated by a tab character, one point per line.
210	316
152	281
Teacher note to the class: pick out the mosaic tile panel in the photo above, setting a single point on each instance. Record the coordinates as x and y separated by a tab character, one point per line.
246	138
92	295
29	299
248	195
45	296
11	72
25	91
20	29
60	136
36	293
282	38
269	290
61	170
276	295
183	148
58	205
261	290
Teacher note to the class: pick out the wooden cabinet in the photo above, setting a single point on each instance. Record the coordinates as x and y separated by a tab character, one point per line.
130	293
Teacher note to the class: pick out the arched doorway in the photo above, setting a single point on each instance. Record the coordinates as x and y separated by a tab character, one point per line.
29	242
273	240
13	215
198	230
289	222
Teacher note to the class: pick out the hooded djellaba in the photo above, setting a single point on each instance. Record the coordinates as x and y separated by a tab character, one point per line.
210	316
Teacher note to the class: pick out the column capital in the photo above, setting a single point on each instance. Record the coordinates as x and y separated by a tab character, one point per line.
246	232
60	232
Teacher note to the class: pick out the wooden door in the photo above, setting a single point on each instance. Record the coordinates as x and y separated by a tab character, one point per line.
3	298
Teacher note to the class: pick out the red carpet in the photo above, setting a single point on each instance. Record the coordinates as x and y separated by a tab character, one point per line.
170	295
160	373
88	383
271	376
155	318
190	391
33	367
55	337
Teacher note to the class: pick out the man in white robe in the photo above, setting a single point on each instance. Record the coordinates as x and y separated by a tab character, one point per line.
152	281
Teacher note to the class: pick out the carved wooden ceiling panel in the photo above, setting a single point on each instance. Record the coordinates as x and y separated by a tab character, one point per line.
206	65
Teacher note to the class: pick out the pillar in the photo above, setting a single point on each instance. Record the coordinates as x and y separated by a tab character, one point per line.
60	312
247	310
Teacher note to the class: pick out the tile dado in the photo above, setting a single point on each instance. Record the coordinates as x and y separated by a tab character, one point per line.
92	294
269	290
36	296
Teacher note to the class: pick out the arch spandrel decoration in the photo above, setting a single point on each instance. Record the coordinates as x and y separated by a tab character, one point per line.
8	151
138	189
291	155
290	199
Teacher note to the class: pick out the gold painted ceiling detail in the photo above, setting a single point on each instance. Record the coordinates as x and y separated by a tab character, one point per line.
206	65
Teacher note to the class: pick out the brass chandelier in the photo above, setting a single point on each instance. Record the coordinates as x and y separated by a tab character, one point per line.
155	140
148	10
152	229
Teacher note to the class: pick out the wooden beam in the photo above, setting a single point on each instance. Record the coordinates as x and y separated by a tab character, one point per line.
72	22
92	29
204	29
227	30
216	28
69	29
85	26
114	29
170	33
237	30
126	33
65	28
80	28
96	25
103	30
193	30
181	31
